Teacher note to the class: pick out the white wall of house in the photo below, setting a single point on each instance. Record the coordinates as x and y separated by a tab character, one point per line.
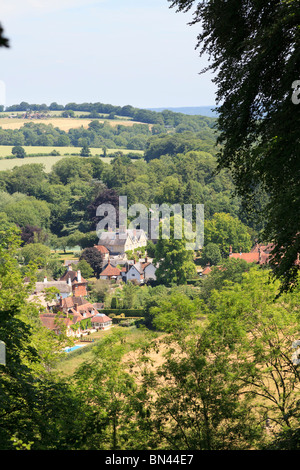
133	273
149	272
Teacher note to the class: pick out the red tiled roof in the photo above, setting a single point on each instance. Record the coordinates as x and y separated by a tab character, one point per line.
206	270
249	257
110	271
102	249
48	321
100	319
144	265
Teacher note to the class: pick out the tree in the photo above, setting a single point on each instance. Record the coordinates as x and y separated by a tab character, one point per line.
94	258
175	261
27	179
175	312
26	413
36	253
18	151
85	151
29	211
260	330
108	196
211	254
230	271
85	268
67	170
224	231
254	49
3	41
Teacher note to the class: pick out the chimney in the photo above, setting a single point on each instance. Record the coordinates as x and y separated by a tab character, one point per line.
76	307
78	276
69	267
69	281
45	279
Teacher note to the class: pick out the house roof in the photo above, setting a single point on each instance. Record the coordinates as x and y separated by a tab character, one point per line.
102	249
206	270
110	270
259	254
69	302
249	257
100	318
49	320
73	275
117	238
62	286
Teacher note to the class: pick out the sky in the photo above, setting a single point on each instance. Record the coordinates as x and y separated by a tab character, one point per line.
119	52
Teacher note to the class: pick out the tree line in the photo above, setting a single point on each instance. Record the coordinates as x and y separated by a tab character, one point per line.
165	117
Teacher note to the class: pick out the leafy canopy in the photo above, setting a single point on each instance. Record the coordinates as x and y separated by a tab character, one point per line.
254	50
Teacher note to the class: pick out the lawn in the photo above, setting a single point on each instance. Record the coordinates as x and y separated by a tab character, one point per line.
68	365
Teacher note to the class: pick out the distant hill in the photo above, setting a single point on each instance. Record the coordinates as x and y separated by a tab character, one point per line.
193	111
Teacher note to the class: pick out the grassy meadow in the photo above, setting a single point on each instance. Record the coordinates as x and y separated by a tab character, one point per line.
62	123
135	338
50	160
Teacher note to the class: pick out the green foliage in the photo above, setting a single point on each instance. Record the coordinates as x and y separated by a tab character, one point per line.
258	122
85	268
211	254
94	258
229	271
18	151
29	211
36	253
175	261
175	313
224	231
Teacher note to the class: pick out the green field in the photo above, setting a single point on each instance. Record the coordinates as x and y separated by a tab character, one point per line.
48	161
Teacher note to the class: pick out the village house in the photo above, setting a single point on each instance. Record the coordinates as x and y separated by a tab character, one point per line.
76	281
139	271
71	311
111	272
63	287
206	271
104	251
57	324
101	322
123	240
259	254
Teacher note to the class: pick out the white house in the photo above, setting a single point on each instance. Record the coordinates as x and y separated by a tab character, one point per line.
140	271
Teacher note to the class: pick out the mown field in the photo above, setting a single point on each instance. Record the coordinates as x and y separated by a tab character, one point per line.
48	161
64	124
